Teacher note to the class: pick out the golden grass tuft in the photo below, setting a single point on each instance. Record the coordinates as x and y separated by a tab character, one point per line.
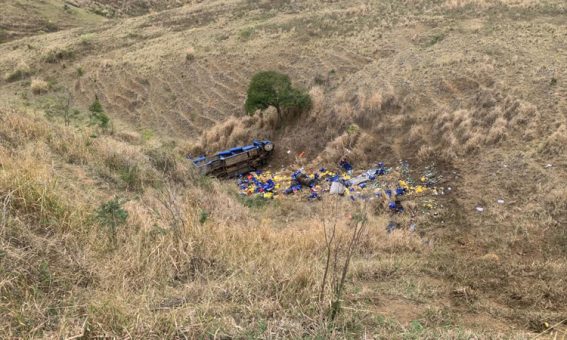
39	86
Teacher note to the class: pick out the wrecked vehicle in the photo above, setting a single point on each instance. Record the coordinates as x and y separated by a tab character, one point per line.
236	161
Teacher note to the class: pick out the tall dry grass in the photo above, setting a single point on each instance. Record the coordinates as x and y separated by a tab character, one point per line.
66	279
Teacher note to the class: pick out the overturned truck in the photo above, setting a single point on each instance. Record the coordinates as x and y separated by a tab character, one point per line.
235	161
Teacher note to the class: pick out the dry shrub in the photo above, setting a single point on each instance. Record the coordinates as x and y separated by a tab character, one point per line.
375	101
30	188
556	143
130	137
318	100
337	149
416	134
489	122
497	131
17	128
39	86
190	54
343	114
125	163
425	153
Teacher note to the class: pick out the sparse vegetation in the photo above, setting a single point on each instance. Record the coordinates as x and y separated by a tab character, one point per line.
19	73
3	35
87	39
435	39
58	54
246	34
190	54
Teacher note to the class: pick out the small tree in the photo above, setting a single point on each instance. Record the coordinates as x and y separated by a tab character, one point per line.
97	114
112	215
270	88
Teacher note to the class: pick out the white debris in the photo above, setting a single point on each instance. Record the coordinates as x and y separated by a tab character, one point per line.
479	209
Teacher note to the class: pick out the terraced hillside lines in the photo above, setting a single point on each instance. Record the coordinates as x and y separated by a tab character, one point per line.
29	17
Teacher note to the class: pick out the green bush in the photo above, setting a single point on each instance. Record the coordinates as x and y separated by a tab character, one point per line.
270	88
111	215
98	116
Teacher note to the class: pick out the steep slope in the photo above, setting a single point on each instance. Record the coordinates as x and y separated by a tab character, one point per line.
477	88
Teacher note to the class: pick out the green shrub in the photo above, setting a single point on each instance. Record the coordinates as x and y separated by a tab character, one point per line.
203	216
98	116
435	39
111	215
254	201
246	34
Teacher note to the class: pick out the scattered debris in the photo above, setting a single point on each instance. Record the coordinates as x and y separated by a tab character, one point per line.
337	188
391	226
500	201
479	209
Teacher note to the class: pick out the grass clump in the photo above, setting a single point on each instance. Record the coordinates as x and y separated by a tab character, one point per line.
246	33
3	35
87	39
19	73
57	55
254	202
436	38
39	86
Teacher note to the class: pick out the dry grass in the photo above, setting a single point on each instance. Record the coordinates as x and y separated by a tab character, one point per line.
39	86
21	71
475	86
237	272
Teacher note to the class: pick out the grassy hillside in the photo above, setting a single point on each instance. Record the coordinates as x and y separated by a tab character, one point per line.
106	231
21	18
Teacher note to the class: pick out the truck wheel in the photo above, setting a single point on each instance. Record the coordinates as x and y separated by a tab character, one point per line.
268	147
